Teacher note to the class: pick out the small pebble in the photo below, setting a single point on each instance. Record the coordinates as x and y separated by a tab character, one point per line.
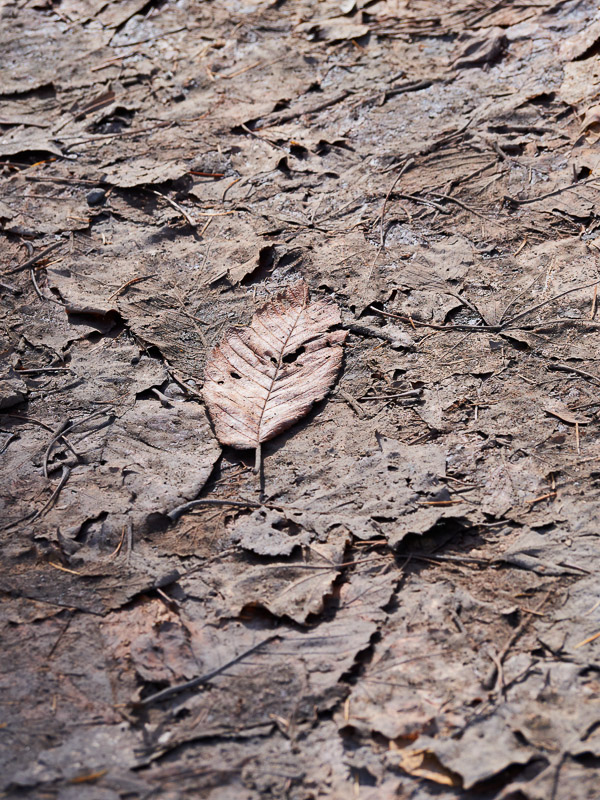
96	197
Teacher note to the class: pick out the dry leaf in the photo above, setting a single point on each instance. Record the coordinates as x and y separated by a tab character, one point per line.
591	119
263	378
560	410
423	764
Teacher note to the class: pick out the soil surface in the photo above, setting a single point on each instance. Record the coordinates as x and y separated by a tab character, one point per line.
411	609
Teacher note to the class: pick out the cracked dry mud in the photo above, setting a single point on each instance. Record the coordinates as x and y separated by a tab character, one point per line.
412	610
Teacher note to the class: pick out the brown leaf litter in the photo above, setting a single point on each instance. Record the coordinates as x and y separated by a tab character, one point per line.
411	608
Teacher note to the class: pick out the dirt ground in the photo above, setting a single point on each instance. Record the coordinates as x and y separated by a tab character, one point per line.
410	611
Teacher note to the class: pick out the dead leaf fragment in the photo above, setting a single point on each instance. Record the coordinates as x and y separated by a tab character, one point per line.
424	764
560	410
591	119
483	50
263	378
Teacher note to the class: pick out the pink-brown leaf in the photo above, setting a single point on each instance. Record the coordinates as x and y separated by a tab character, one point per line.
265	377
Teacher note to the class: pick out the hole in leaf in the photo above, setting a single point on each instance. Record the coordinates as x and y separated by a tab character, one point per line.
235	375
583	172
298	151
292	357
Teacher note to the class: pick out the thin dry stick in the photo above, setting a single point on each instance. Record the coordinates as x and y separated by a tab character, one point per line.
409	393
493	673
461	204
568	368
10	288
61	434
517	297
587	641
63	479
521	246
416	322
417	199
131	283
405	167
37	370
34	259
117	549
183	687
494	328
176	206
546	302
179	510
352	403
549	194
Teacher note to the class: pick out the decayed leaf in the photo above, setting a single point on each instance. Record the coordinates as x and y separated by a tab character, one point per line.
263	378
423	764
560	410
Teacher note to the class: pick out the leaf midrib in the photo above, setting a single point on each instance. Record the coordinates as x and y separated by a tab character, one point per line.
277	369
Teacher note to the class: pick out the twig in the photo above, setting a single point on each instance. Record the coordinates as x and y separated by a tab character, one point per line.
63	479
415	322
132	281
184	687
129	540
461	204
405	167
567	368
28	419
352	403
34	259
490	678
281	119
10	288
521	246
508	323
176	206
408	87
117	549
37	370
61	435
587	641
410	393
10	439
451	559
38	291
417	199
548	194
261	138
373	333
546	302
179	510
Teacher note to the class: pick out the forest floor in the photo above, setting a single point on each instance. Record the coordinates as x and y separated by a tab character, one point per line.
413	608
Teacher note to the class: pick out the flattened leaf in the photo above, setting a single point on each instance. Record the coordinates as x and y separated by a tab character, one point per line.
560	410
263	378
422	764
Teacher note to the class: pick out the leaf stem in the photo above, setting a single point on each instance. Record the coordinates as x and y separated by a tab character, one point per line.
258	459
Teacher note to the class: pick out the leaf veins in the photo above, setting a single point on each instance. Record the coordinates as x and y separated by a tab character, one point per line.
263	378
